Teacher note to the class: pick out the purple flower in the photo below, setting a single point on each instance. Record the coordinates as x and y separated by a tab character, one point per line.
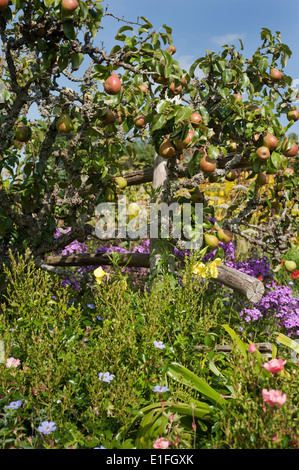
46	427
99	318
106	377
279	304
160	389
14	405
159	344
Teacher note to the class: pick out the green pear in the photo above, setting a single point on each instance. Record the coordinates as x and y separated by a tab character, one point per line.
109	194
211	240
121	182
290	265
224	235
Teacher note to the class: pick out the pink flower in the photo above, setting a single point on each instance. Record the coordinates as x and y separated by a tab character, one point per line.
274	396
275	365
252	348
12	362
161	443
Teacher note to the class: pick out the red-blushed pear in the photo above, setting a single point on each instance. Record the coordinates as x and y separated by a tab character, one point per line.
189	138
3	4
237	97
292	152
112	85
182	144
270	141
109	117
262	179
139	121
69	6
293	114
224	235
290	265
171	49
64	123
143	87
207	164
263	153
195	120
275	75
253	108
175	90
166	149
211	240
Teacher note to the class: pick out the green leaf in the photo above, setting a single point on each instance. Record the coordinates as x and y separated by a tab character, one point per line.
263	64
185	376
276	159
124	28
48	3
243	348
158	122
162	105
68	28
226	76
286	341
193	67
83	10
183	113
77	59
213	151
146	21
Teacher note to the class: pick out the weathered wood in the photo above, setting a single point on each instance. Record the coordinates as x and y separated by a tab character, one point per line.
132	260
146	175
264	348
246	285
241	282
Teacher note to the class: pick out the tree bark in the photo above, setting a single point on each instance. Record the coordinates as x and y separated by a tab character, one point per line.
146	175
246	285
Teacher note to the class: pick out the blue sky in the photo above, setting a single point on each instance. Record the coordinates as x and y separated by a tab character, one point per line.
199	25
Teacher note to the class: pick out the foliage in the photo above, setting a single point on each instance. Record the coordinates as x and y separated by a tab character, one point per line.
53	175
61	344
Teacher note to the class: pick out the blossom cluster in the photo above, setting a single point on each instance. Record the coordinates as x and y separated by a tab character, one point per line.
278	304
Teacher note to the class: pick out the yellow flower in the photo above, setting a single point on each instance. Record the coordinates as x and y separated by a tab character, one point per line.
100	274
211	270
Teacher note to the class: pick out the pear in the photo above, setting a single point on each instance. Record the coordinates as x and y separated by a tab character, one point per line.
121	182
112	85
64	123
225	236
166	149
3	4
290	265
109	194
133	210
22	133
211	240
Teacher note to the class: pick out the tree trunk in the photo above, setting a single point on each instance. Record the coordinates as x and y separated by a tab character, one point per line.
159	248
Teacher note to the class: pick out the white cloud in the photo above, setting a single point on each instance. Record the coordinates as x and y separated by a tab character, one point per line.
185	62
229	38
